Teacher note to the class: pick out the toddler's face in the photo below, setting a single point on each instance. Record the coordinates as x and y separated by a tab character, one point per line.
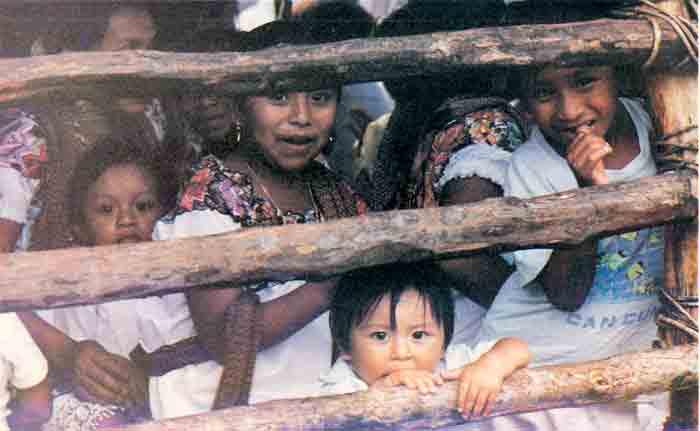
416	342
565	100
122	206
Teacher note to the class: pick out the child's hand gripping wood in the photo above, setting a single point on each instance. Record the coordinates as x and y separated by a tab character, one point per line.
423	381
481	380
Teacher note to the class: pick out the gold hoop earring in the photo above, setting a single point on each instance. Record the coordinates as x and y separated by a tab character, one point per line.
237	130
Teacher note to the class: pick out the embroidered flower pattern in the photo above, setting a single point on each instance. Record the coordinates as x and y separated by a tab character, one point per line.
490	126
214	187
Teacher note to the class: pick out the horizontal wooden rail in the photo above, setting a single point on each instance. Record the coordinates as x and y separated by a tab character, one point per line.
621	377
591	42
99	274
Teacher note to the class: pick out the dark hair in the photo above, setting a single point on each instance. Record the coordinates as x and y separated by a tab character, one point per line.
337	20
117	149
428	16
79	26
276	33
359	292
520	80
628	81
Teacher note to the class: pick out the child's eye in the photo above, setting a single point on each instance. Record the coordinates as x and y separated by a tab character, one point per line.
419	335
105	209
278	98
379	335
320	97
584	81
145	205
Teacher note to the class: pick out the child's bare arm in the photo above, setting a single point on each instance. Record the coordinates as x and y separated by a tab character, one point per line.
31	407
94	373
482	274
281	317
481	381
568	276
423	381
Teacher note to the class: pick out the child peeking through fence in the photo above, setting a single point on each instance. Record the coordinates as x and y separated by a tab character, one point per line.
597	299
392	326
118	191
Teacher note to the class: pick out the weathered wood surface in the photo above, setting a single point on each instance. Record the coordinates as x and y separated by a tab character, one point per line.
99	274
620	377
593	42
673	98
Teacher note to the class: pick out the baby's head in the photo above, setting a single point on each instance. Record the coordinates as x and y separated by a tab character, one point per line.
119	190
392	317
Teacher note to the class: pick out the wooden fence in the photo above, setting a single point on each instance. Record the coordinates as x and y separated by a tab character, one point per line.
39	279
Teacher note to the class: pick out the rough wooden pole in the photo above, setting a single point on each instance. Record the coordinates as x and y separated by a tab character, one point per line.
592	42
98	274
620	377
673	99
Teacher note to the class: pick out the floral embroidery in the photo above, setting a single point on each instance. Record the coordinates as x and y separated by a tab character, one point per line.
214	187
71	414
491	126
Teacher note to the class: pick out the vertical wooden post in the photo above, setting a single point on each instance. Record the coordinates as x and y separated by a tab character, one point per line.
673	100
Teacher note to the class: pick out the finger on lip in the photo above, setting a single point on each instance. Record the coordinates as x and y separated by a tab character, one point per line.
583	129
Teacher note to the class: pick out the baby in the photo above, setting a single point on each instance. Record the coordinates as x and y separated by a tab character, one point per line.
392	325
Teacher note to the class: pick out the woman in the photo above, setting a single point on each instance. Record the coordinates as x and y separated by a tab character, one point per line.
269	178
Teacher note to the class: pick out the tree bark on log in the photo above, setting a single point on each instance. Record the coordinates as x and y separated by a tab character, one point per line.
584	43
619	378
673	98
46	279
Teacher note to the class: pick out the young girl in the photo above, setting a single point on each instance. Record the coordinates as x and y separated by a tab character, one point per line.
599	299
269	177
449	139
392	325
119	189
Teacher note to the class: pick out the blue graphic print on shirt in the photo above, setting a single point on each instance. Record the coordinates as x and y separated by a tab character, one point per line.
630	267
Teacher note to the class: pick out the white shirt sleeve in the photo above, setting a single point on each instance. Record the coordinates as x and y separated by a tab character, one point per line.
29	367
16	193
536	170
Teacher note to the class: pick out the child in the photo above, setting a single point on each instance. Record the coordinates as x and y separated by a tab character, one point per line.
392	325
598	299
24	368
118	192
